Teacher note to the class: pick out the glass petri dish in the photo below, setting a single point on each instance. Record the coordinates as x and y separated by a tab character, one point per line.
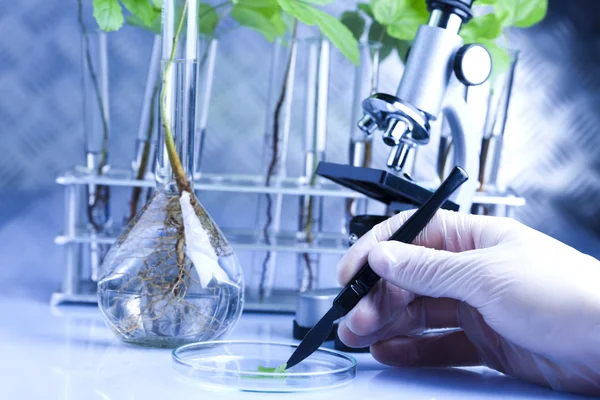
233	365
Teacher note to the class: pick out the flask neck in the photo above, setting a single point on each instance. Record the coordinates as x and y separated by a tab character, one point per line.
177	106
177	100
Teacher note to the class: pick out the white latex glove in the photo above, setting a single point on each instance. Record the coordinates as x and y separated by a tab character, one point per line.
528	305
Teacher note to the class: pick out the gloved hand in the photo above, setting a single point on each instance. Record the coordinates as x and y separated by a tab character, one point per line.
528	305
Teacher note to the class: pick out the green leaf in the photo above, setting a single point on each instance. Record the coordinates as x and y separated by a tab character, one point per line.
108	14
402	47
134	20
354	22
258	3
406	27
331	27
278	370
485	27
157	4
208	18
378	34
319	2
300	11
340	36
253	19
366	8
487	1
144	11
388	11
521	13
278	23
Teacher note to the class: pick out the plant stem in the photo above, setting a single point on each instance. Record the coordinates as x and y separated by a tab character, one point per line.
273	162
180	176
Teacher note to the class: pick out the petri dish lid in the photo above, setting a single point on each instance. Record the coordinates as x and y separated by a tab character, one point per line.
233	365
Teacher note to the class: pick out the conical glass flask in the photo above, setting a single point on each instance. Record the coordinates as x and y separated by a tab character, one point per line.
172	278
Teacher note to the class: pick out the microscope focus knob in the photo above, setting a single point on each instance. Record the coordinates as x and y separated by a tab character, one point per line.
472	64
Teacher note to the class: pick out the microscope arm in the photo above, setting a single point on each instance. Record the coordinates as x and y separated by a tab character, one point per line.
466	144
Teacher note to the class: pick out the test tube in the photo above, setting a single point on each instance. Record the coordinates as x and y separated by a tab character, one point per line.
207	57
147	134
277	130
97	133
316	94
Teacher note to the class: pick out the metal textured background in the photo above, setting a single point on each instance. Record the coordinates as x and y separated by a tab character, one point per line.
551	154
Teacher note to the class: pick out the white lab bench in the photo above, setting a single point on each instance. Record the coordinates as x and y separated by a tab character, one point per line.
67	353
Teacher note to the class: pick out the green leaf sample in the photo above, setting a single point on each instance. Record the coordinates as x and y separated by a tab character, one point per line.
278	370
266	371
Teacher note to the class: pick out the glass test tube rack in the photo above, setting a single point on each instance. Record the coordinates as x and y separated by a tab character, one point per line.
77	239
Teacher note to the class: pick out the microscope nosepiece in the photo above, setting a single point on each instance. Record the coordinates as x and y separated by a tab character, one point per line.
399	154
395	131
367	124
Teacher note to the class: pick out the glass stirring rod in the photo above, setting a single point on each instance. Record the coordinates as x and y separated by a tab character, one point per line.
366	278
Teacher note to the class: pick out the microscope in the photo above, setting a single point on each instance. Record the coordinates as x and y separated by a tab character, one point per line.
438	69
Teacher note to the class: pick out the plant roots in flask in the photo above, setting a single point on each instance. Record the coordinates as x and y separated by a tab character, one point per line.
171	278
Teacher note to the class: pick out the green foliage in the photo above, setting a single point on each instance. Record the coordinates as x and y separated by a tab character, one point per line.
366	8
486	27
319	2
354	22
144	14
253	18
339	35
268	17
387	12
394	23
108	14
136	21
208	18
521	13
377	34
143	9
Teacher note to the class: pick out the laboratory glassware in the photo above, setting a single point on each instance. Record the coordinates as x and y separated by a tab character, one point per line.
171	277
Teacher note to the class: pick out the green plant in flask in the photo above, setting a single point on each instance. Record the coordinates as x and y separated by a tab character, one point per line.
172	278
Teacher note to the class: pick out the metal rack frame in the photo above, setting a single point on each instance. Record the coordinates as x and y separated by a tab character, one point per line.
77	288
